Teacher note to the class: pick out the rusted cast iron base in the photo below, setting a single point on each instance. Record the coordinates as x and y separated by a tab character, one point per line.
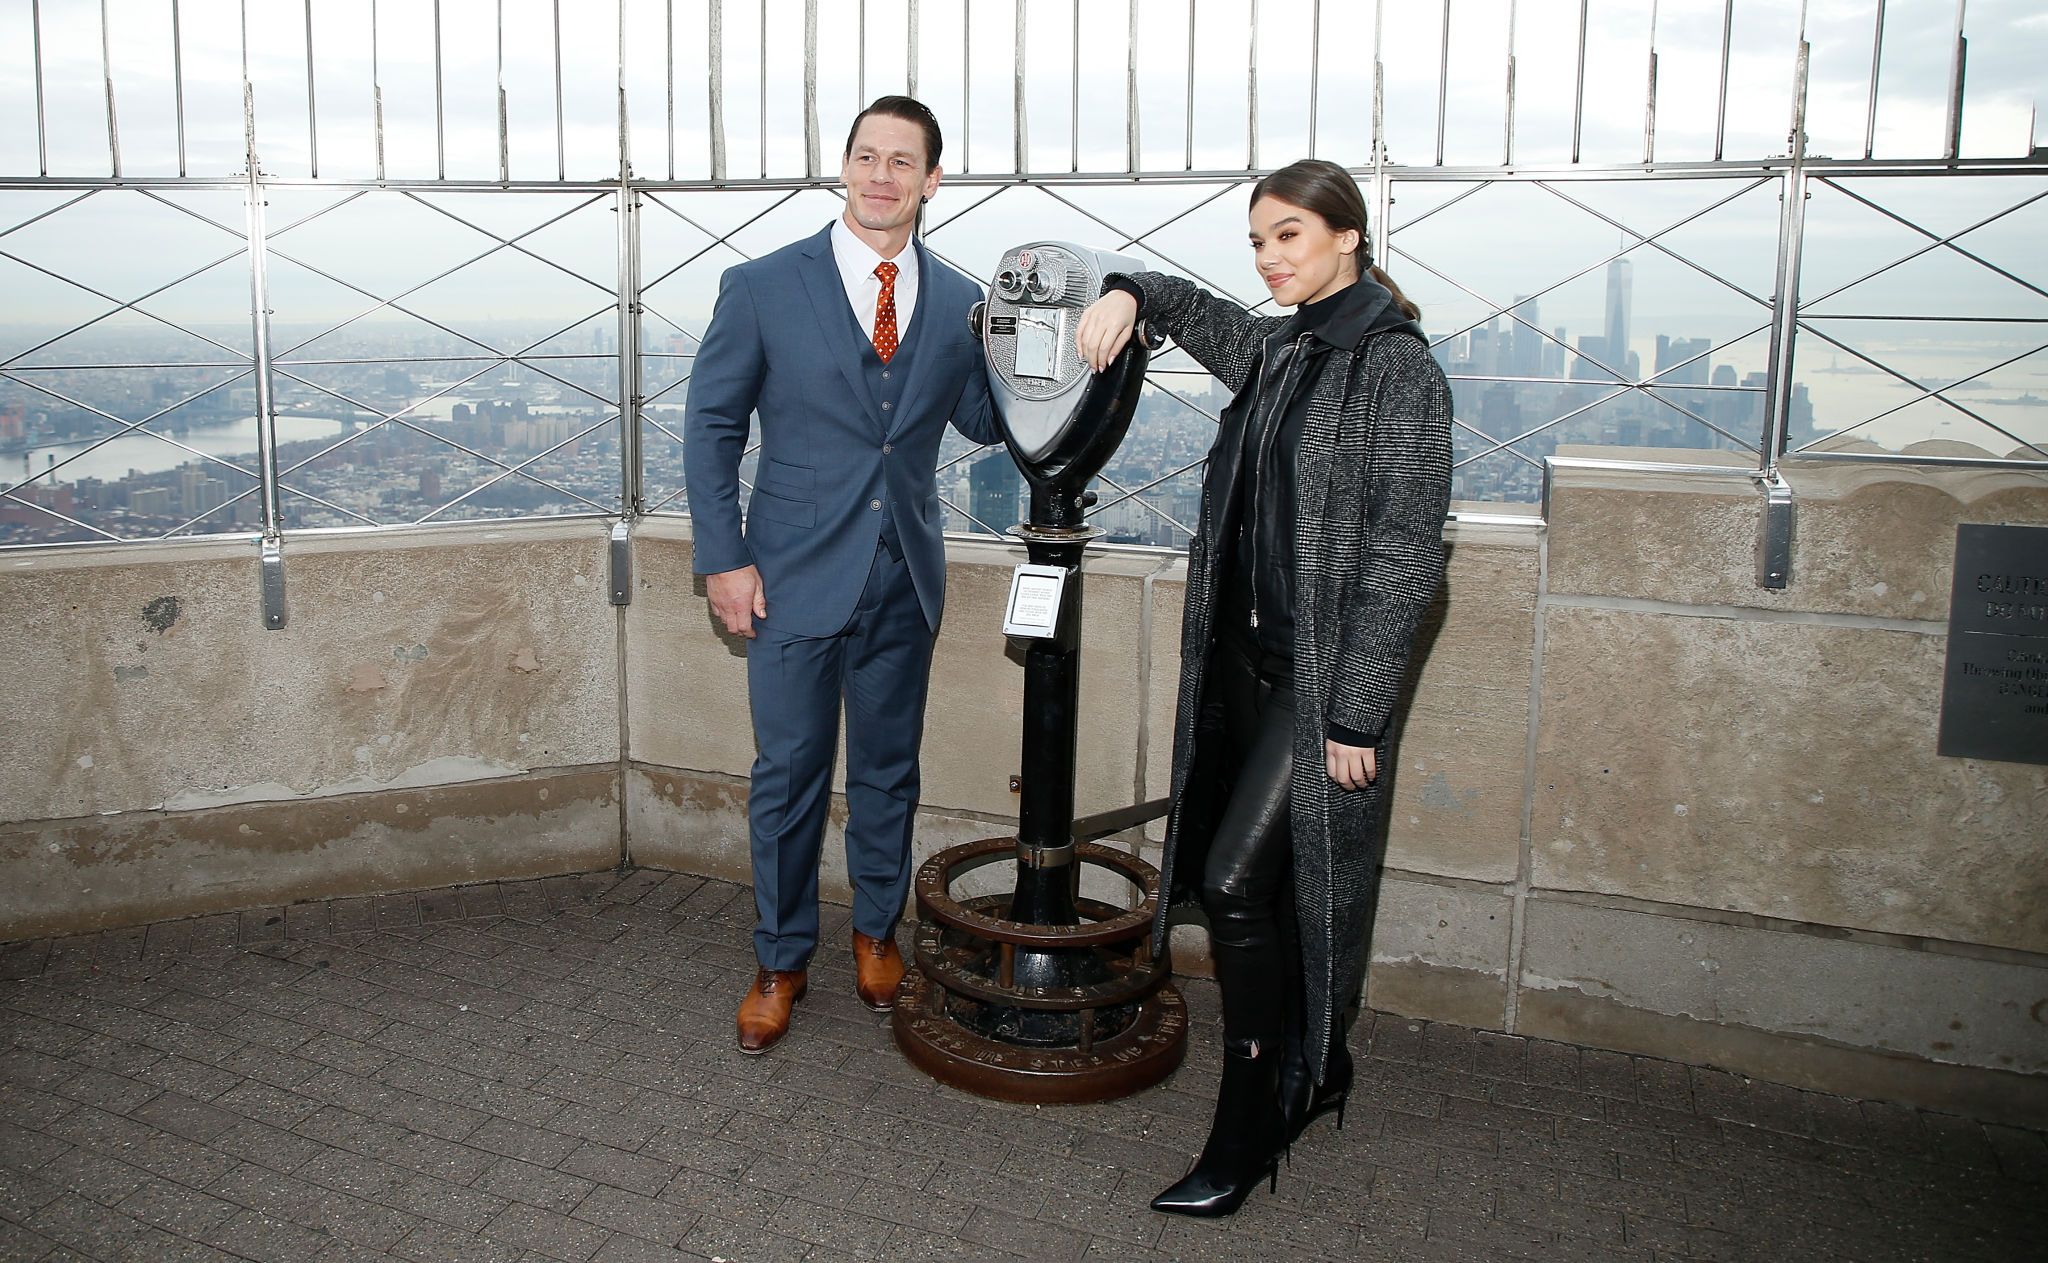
965	1017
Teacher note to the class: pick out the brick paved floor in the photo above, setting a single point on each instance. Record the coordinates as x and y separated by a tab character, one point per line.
545	1071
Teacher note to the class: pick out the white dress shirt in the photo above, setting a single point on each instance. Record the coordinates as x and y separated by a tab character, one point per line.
857	260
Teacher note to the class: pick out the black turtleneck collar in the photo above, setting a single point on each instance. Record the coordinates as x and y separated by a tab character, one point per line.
1352	314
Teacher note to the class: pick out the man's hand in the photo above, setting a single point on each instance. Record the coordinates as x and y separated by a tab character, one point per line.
737	599
1353	767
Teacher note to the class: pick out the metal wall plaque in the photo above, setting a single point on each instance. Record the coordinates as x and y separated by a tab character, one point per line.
1994	699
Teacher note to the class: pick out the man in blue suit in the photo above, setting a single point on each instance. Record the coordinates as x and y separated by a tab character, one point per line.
852	349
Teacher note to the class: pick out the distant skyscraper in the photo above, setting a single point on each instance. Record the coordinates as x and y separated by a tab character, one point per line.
1691	353
1528	344
994	492
1621	281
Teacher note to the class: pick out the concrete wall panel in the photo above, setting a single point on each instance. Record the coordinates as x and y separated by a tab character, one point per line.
1874	540
1457	806
1779	768
1440	950
136	867
974	724
1935	1006
698	824
146	681
686	679
1169	603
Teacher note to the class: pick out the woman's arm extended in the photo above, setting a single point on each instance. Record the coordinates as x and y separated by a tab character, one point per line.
1219	333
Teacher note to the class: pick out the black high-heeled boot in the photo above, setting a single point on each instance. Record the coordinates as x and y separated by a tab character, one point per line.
1302	1100
1244	1140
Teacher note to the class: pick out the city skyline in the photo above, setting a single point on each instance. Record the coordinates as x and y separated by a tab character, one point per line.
515	413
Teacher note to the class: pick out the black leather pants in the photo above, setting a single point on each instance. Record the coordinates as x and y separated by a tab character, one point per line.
1247	888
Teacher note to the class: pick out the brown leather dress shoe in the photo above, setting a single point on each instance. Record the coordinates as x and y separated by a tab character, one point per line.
764	1014
878	967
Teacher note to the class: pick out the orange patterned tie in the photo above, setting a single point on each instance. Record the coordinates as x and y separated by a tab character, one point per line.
885	312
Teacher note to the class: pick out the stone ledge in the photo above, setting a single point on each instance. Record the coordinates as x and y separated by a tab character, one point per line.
69	877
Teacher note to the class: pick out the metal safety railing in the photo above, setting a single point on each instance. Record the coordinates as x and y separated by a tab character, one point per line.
1062	111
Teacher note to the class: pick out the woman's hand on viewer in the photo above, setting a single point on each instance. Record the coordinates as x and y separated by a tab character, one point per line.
1353	767
1105	327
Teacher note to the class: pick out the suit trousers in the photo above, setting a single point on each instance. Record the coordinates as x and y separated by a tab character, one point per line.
879	665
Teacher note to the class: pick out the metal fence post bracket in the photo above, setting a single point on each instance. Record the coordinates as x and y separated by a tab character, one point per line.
622	562
273	583
1774	532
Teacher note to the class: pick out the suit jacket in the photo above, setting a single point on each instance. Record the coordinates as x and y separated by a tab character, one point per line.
784	346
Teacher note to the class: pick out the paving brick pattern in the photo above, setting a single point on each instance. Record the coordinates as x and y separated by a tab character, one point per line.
545	1071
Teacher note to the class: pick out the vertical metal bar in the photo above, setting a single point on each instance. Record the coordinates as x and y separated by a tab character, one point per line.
1876	53
1074	81
440	104
1018	114
42	127
669	51
312	103
1579	91
1785	312
1721	109
860	70
1382	190
1650	95
1315	69
1189	133
1251	94
178	80
504	123
561	149
762	84
1507	143
1443	80
625	121
811	88
1379	90
631	492
1131	154
259	306
966	84
715	80
1956	67
376	90
910	51
107	77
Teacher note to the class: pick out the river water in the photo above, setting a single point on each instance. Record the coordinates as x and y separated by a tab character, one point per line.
138	452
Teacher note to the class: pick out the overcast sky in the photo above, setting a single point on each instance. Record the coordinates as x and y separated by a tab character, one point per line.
2008	45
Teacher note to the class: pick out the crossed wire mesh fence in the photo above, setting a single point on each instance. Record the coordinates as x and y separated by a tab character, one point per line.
1959	288
397	400
357	328
271	353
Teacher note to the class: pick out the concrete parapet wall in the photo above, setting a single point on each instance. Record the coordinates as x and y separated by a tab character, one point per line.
1739	831
441	706
1639	801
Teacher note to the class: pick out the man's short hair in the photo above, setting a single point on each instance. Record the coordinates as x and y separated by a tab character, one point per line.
910	110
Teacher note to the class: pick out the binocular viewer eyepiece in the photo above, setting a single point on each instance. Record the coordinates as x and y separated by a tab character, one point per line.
1061	420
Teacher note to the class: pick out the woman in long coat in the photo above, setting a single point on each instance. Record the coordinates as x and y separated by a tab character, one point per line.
1319	547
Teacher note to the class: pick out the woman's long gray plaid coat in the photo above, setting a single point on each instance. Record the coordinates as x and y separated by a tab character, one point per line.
1373	487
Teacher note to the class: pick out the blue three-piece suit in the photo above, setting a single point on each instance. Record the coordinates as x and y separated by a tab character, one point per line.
844	526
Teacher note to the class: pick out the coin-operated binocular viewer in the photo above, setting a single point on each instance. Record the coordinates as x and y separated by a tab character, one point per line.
1043	994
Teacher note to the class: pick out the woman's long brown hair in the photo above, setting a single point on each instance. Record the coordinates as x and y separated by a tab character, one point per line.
1329	191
